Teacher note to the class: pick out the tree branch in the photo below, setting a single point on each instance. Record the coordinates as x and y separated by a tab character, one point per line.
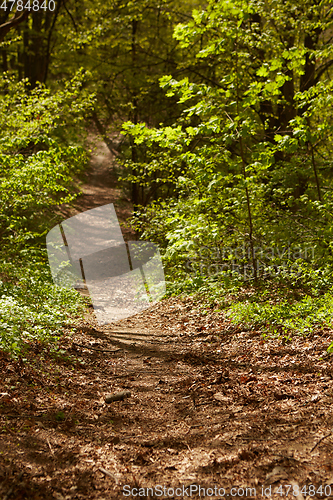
321	70
14	21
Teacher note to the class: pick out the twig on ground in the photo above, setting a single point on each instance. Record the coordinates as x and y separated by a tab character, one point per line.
107	473
48	442
95	348
23	415
188	447
117	396
320	440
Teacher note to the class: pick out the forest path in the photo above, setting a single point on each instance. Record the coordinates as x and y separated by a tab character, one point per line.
211	405
100	187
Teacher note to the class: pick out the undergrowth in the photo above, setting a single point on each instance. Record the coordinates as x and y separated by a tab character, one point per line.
32	308
284	317
294	305
41	154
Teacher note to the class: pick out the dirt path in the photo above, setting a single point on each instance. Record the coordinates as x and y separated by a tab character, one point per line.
211	406
100	187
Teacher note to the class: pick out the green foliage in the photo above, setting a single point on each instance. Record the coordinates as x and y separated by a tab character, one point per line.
37	168
127	46
30	185
30	116
244	175
284	317
36	165
60	416
221	159
227	140
32	309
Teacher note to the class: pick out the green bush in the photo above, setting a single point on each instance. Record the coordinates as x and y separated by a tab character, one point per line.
37	168
36	165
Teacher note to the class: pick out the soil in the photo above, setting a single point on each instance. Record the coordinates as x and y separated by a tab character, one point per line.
212	407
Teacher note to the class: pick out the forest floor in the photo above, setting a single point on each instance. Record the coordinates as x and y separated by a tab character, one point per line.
212	407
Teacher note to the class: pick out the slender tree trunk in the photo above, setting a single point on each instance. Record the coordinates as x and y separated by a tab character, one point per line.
248	201
135	187
37	45
314	166
49	36
4	60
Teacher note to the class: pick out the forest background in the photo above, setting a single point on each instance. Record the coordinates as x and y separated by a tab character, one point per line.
220	113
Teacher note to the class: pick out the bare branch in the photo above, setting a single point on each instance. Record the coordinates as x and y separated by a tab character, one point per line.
14	21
